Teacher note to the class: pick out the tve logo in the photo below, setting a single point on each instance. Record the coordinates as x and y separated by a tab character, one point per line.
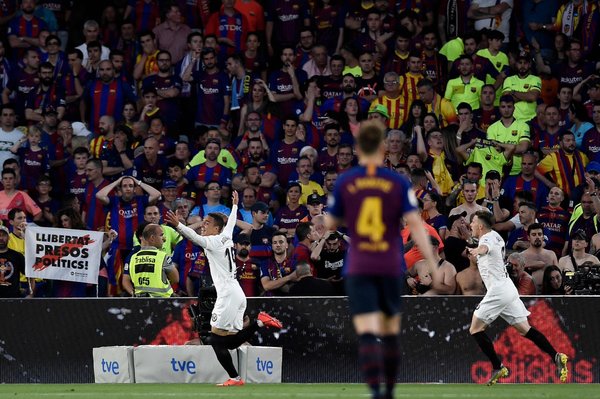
109	367
266	366
183	366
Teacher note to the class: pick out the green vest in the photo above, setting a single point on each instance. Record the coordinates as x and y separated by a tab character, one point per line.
146	272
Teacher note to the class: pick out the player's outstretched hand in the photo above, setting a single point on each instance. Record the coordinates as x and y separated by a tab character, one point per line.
171	219
234	197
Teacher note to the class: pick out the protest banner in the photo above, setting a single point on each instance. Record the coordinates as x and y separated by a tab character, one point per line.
63	254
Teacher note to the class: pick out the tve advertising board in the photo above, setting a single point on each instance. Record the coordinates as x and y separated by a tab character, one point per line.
113	364
178	364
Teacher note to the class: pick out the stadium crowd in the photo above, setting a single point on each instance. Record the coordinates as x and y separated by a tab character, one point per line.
150	106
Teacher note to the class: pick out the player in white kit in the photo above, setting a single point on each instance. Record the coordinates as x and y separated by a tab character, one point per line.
502	300
227	319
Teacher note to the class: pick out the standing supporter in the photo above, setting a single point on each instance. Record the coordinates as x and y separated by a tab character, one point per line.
13	265
91	33
305	169
564	168
276	273
368	84
329	254
212	92
492	14
24	28
171	35
292	212
466	87
373	40
128	45
524	87
434	64
209	170
555	220
310	114
286	152
152	215
328	155
230	27
76	176
11	198
308	285
436	104
47	94
33	158
286	82
144	13
435	159
10	135
570	71
536	256
146	63
213	202
498	58
92	212
590	143
190	261
546	140
510	130
469	207
260	233
124	213
456	241
305	237
150	167
21	82
488	113
396	59
284	23
527	181
468	280
104	96
396	98
254	13
247	272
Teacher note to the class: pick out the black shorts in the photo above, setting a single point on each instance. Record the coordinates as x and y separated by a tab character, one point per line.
368	294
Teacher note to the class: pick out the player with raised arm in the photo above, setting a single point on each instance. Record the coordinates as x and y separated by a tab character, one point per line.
372	201
227	319
502	299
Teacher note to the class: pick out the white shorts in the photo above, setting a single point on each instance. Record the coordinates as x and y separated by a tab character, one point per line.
502	300
230	306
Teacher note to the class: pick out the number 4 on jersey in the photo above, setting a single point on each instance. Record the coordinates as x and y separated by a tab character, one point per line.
370	219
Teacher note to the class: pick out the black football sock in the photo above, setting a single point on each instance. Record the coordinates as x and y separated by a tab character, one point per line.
235	340
370	361
541	341
391	361
224	357
487	347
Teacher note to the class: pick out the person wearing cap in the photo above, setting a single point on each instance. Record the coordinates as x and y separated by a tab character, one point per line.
379	112
564	168
524	87
247	271
314	205
578	255
393	103
12	265
510	130
260	233
168	195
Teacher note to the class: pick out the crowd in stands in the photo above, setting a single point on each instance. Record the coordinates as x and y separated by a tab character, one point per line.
150	106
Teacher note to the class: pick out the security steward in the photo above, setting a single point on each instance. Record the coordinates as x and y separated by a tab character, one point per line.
150	272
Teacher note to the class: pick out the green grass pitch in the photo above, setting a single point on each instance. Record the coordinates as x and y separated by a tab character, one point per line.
284	391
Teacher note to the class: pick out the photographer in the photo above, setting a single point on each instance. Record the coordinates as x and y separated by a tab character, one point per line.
515	267
577	256
553	282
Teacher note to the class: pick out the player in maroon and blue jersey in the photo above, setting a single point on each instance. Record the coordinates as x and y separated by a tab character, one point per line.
372	201
105	96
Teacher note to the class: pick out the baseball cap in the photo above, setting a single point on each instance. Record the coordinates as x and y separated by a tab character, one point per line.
593	166
79	129
242	239
380	109
314	199
4	229
169	184
579	235
260	206
455	217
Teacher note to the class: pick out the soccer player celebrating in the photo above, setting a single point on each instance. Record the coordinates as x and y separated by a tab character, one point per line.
502	299
372	200
227	317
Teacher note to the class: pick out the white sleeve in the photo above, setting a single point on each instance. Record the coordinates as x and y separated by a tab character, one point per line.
228	230
194	237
